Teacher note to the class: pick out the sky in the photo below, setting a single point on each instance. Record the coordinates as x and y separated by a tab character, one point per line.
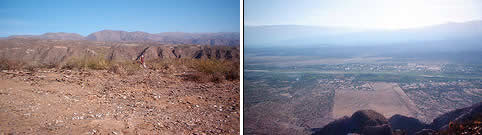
363	14
20	17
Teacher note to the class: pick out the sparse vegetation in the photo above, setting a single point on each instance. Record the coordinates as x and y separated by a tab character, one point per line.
208	70
124	67
6	64
218	70
90	62
200	70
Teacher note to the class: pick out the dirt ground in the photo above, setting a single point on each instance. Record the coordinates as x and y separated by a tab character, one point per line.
54	101
386	98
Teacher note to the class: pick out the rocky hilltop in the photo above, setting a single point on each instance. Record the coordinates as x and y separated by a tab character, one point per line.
221	38
59	51
460	121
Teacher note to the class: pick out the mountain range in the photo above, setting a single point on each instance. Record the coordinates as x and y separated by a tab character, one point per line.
278	35
221	38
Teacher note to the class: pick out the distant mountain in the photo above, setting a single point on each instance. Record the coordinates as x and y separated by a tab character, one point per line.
284	34
224	38
221	38
58	35
111	35
279	35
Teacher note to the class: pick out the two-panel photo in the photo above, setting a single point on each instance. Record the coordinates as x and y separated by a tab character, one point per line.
241	67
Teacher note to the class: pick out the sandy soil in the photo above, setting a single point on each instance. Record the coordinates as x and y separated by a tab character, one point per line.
98	102
386	98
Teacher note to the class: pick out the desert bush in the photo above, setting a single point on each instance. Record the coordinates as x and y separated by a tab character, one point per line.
171	65
233	72
208	70
124	67
131	68
87	62
218	70
160	64
6	64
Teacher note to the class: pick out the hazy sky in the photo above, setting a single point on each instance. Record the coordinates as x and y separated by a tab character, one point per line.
87	16
379	14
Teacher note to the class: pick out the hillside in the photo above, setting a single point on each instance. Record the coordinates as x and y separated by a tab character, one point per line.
39	51
92	87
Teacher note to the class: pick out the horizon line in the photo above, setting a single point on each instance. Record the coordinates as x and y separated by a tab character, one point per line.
363	28
37	34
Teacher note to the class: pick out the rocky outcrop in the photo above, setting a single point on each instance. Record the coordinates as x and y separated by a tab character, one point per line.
377	130
425	132
361	122
461	121
460	115
406	124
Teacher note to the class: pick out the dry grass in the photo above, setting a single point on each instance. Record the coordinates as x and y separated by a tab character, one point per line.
201	70
100	63
6	64
207	70
124	68
170	65
87	62
218	70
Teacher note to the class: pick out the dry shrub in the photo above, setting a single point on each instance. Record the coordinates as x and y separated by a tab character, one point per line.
170	65
160	64
208	70
87	62
131	68
218	70
233	72
6	64
116	69
49	65
124	68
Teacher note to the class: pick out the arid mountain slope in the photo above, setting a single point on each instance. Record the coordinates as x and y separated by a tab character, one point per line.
37	51
226	38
